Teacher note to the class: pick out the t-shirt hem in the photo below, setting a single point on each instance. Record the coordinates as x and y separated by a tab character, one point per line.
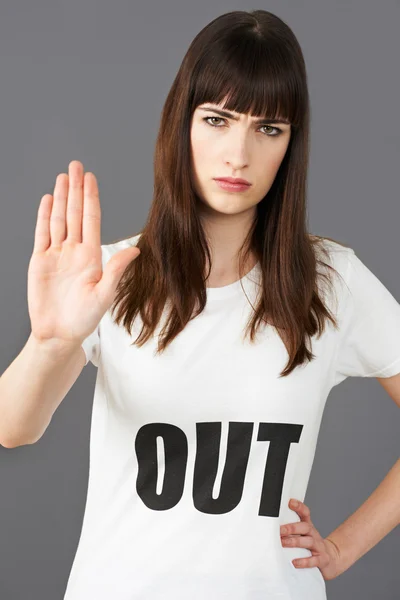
392	369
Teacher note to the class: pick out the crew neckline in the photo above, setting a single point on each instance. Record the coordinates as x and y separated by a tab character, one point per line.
231	288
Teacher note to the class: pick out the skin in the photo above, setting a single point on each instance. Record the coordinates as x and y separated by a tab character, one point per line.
303	534
224	147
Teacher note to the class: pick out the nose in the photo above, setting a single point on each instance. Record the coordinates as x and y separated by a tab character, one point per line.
236	152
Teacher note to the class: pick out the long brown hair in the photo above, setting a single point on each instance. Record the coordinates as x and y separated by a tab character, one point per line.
253	61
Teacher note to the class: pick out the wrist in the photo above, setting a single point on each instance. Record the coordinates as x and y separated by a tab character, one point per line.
342	561
52	347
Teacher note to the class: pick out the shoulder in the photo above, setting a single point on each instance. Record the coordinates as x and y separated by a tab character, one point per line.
333	269
337	254
331	245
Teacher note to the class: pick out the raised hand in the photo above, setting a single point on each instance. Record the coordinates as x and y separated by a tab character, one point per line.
68	292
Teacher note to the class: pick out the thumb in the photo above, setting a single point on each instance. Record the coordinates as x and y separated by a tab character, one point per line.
112	273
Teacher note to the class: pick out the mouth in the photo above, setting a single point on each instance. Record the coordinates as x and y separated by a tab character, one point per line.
234	180
228	186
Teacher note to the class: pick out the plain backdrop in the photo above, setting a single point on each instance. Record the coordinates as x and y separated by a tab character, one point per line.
84	80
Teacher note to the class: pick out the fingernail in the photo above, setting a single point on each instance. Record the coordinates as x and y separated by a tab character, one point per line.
295	502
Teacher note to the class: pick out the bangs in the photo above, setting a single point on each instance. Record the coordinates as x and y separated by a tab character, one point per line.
250	75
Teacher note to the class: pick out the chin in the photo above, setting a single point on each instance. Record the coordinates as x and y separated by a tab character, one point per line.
229	205
232	207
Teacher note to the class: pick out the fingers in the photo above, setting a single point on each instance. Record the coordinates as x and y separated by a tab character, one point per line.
42	233
75	202
305	525
306	563
302	534
304	541
302	509
72	213
91	223
300	528
57	216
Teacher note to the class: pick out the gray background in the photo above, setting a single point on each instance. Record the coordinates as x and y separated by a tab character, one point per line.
86	81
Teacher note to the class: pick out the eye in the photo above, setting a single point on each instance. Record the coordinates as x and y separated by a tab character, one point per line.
206	119
277	129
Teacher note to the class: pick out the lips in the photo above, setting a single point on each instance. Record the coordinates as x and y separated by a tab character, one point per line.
234	180
232	187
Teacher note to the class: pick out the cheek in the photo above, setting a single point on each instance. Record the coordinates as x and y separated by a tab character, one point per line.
201	149
273	162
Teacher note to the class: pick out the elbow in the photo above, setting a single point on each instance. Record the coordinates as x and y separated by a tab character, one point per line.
15	443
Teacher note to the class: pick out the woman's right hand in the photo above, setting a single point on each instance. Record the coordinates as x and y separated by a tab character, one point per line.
68	293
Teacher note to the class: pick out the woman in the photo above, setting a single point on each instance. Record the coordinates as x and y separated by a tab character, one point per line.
217	344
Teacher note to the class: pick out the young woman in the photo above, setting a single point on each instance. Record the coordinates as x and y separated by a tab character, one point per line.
218	332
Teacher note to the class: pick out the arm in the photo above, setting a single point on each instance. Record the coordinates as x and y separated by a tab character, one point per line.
379	514
370	523
32	388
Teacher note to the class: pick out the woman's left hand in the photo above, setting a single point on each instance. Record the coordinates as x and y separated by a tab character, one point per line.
303	534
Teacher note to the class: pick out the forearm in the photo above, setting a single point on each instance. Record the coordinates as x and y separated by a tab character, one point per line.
33	386
370	523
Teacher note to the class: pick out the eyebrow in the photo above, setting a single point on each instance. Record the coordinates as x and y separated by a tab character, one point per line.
224	113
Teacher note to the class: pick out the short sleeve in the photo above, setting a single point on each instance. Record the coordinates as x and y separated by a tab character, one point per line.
369	337
91	347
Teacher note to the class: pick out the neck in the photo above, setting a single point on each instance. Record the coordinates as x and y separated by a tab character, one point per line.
225	235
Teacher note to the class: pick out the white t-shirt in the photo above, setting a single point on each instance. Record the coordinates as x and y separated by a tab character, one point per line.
195	453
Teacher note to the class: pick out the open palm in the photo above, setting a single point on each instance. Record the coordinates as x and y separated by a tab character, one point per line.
68	293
